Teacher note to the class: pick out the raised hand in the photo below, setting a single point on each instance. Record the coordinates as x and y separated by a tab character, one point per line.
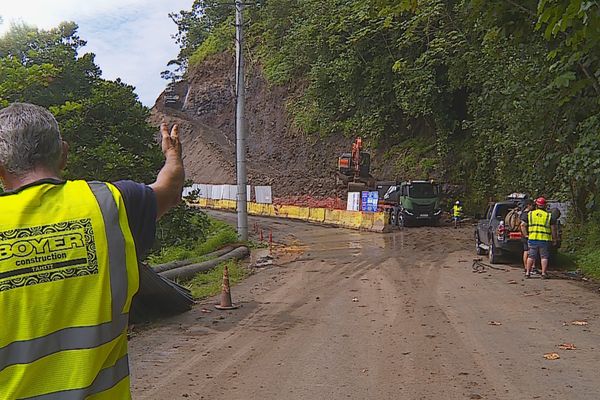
170	143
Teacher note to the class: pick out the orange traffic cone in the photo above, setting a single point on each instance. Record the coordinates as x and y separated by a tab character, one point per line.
226	303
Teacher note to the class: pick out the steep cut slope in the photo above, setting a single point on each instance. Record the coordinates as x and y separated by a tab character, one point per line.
278	155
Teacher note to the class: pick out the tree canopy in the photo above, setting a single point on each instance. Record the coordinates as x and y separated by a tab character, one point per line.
496	95
102	120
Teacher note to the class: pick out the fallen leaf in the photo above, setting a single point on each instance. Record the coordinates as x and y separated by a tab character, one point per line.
551	356
365	370
206	311
580	323
355	299
494	323
567	346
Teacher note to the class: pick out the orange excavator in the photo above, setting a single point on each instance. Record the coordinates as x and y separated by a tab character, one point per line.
354	169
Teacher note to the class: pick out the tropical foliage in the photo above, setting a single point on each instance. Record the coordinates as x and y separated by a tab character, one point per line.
501	89
103	121
494	95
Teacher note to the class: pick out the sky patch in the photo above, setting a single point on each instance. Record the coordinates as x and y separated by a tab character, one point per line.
131	38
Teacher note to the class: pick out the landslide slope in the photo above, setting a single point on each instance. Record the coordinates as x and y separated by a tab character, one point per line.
292	162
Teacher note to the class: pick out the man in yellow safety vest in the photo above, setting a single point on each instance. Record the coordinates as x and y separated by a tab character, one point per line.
69	262
457	213
541	231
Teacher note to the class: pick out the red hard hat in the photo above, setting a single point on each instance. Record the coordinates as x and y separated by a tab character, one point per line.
540	201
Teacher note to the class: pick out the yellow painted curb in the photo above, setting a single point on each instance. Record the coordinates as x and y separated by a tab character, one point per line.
376	222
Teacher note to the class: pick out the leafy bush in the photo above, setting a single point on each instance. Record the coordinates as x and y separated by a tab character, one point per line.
221	39
580	241
590	264
216	235
183	226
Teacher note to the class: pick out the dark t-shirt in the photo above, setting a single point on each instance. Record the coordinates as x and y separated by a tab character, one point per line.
140	203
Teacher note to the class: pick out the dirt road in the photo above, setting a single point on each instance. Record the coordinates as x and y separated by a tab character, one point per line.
377	316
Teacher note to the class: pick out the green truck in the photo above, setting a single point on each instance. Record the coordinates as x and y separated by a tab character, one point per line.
414	203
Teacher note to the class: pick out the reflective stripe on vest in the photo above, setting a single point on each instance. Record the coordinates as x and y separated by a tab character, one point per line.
20	353
538	225
106	379
116	246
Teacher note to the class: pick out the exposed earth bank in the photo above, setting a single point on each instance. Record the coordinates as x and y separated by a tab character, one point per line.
350	315
278	154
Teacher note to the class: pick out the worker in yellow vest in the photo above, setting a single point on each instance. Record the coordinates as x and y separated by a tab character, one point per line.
457	213
541	231
69	262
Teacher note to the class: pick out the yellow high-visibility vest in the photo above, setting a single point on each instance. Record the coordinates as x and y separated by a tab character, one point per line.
68	273
457	211
538	225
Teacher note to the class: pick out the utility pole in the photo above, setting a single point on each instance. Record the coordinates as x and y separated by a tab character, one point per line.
240	127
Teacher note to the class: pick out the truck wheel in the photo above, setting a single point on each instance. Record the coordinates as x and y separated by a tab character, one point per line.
478	250
393	218
492	256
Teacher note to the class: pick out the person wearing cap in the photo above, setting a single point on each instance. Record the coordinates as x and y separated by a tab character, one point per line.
540	230
457	211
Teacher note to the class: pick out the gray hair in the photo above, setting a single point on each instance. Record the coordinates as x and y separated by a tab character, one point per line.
29	138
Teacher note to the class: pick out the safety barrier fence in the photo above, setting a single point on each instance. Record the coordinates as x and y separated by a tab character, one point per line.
260	194
369	221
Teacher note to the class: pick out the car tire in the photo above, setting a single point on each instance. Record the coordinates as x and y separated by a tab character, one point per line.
492	253
478	250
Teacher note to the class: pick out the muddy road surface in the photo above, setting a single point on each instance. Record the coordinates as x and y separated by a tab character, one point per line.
349	315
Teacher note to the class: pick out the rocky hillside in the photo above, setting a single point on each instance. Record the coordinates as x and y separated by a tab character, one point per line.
278	155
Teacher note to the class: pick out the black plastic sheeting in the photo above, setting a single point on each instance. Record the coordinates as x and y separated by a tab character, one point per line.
158	297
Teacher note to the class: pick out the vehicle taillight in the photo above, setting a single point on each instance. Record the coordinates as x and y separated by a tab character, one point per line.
501	231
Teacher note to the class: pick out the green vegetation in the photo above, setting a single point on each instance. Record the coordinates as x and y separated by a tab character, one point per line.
194	27
216	235
590	263
217	42
209	283
102	120
493	89
170	232
582	245
494	96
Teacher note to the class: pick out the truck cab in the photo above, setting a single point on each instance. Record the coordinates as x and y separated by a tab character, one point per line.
414	202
